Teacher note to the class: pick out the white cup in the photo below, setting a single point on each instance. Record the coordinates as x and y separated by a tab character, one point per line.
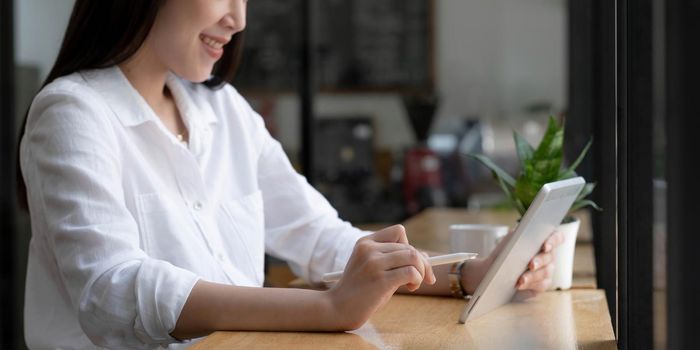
476	238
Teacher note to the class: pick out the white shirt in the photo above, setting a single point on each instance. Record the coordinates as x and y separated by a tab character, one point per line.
125	218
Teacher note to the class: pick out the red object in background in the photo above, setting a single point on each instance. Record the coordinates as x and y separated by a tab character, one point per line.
422	182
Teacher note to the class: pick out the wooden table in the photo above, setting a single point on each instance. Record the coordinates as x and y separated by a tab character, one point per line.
554	320
573	319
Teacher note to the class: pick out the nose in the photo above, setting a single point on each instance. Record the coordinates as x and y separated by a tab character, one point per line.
235	20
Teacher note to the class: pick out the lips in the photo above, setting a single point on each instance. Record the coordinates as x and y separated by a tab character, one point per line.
213	45
212	41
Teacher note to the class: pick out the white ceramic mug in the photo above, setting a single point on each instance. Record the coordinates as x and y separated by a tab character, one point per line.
476	238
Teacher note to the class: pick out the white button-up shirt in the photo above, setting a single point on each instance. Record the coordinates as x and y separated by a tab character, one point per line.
125	218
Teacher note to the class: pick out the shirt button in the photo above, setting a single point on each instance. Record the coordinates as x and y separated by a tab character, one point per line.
221	257
197	205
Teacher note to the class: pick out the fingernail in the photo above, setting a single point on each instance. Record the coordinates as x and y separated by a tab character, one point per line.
547	247
535	264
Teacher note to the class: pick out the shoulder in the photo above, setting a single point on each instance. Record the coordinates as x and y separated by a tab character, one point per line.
68	109
69	97
71	87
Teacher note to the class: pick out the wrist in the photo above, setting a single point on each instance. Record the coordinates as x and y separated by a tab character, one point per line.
472	275
455	279
329	310
340	312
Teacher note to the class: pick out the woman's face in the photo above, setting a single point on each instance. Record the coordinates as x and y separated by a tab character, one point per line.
188	35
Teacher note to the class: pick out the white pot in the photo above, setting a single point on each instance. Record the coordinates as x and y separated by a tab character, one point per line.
564	255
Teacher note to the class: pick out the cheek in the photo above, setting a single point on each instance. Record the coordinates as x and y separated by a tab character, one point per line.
182	54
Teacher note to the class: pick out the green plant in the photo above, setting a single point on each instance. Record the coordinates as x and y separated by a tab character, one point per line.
538	167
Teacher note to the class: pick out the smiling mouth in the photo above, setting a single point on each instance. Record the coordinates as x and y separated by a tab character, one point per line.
211	42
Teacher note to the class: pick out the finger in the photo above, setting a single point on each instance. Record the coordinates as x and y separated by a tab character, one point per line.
540	260
385	247
391	234
400	258
429	273
414	258
406	275
554	240
532	278
540	286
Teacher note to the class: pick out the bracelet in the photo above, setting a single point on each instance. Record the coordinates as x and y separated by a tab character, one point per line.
455	277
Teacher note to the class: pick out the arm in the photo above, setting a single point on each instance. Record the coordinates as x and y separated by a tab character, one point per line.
380	263
301	227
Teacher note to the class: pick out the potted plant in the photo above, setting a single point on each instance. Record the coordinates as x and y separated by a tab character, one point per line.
538	167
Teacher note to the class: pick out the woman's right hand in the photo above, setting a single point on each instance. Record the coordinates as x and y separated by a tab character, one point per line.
380	263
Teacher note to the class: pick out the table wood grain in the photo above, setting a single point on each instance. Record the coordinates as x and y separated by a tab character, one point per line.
571	319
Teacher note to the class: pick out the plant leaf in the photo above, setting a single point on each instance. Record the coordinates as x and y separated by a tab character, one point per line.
524	149
526	190
546	160
569	173
584	203
500	173
585	191
519	206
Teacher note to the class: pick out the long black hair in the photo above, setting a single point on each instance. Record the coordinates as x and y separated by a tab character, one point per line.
104	33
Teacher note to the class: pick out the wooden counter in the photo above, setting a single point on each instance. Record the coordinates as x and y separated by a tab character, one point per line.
572	319
554	320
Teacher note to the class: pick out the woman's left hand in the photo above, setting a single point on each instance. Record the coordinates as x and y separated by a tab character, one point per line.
538	277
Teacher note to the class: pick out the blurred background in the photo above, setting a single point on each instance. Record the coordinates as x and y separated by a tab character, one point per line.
401	92
405	90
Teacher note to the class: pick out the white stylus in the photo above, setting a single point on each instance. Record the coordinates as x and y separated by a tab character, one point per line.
433	260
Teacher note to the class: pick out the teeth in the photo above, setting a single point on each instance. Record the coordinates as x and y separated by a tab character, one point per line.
211	42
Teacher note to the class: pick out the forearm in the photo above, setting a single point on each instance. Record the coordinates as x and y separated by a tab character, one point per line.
472	272
211	307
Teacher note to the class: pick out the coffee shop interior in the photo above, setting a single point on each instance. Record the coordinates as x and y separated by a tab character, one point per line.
394	110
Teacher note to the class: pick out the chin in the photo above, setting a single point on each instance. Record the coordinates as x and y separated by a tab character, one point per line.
196	76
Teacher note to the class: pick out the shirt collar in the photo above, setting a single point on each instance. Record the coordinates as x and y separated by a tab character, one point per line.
130	107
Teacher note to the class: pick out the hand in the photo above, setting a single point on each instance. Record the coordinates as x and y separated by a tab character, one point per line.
538	277
380	264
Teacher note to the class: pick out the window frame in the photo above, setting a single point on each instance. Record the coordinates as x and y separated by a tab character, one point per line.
8	299
682	74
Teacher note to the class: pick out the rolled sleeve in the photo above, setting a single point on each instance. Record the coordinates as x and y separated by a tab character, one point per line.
162	290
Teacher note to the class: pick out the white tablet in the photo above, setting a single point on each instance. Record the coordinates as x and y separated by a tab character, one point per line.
541	219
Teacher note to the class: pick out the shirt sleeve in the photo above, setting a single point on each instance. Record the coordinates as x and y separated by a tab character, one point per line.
71	165
301	227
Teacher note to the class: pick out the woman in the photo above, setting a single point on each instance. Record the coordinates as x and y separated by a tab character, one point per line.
155	190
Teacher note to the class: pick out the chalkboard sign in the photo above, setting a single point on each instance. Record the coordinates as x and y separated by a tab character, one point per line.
361	45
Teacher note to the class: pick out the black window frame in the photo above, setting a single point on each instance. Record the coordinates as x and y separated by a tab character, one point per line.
682	123
8	299
592	111
611	97
635	96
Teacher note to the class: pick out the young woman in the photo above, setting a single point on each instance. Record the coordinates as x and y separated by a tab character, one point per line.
155	190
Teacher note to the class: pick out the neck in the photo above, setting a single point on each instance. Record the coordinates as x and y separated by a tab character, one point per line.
147	75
